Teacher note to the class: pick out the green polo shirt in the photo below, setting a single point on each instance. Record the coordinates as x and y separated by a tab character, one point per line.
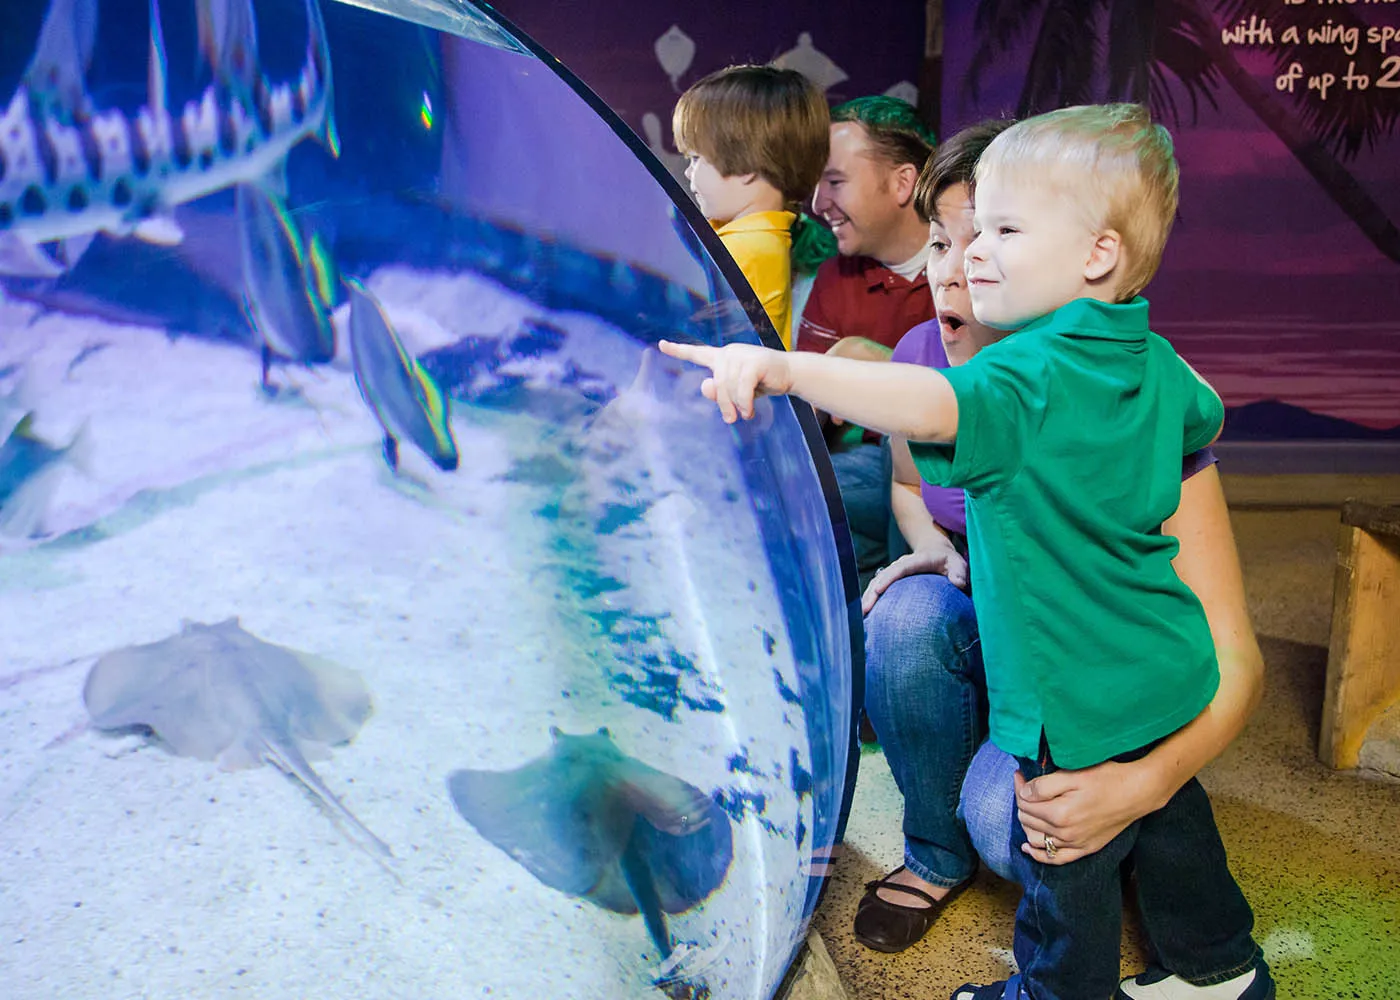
1070	437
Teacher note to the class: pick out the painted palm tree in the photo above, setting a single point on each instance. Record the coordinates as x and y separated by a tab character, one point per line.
1168	53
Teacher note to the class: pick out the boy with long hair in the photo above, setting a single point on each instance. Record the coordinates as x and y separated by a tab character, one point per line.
756	137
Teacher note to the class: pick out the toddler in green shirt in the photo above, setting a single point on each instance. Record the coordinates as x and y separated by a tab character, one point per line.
1068	438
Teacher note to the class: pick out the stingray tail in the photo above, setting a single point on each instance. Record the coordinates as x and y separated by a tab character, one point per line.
643	886
285	755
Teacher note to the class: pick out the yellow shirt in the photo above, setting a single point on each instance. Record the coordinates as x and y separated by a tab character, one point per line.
761	244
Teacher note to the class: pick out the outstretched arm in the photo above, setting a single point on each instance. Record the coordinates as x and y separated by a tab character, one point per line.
1083	810
910	401
861	349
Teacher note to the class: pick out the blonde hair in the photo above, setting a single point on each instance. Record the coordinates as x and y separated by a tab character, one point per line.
757	120
1115	162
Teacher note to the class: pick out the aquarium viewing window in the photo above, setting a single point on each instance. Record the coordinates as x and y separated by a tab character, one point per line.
381	614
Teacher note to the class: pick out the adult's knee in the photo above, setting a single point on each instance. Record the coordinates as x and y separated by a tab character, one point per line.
921	607
920	625
987	806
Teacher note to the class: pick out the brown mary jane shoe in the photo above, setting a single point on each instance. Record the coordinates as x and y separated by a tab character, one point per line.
892	927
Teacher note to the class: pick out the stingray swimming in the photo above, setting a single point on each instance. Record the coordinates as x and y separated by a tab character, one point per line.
590	821
217	692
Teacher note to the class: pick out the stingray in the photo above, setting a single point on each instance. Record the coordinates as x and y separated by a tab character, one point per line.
217	692
592	822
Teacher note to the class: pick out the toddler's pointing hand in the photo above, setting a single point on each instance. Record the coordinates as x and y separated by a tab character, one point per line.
739	373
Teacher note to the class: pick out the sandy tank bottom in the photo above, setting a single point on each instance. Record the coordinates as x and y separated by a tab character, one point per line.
127	871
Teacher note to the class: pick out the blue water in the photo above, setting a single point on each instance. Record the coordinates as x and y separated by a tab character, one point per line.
601	551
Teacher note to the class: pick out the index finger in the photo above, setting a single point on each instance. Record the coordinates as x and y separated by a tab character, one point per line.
700	354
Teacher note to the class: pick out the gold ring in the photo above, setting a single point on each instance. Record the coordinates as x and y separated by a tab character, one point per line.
1049	846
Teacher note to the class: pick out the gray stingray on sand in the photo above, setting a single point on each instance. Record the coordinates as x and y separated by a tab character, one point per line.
217	692
590	821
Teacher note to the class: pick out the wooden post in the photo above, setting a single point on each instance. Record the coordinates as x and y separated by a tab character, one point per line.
1363	659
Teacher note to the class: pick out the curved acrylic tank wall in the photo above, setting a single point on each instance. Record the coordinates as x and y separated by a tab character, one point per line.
419	660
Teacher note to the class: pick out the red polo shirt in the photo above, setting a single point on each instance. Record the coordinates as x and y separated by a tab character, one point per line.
860	297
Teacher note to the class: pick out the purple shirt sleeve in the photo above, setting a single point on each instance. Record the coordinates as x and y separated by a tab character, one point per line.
1197	461
923	345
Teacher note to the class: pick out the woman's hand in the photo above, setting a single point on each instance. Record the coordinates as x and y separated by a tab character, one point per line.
739	373
1083	810
933	550
941	558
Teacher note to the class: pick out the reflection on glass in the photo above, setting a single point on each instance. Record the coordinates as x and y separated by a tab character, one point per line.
382	614
456	17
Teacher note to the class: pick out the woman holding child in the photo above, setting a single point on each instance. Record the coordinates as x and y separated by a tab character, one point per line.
924	685
1131	787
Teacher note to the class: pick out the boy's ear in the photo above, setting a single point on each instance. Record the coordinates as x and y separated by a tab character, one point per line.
1104	256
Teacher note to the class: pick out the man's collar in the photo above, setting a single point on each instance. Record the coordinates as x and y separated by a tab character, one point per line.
877	275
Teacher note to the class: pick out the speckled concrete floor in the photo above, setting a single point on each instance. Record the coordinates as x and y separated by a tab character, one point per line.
1317	852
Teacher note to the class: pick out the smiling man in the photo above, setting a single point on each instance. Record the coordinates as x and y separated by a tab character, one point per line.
876	289
865	299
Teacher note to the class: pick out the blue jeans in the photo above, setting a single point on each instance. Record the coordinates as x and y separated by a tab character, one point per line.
863	477
926	697
988	807
1068	925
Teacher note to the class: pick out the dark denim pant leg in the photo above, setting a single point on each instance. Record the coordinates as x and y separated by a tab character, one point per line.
1069	921
924	695
1195	915
863	478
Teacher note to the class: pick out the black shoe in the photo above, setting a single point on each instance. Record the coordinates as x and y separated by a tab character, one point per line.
891	927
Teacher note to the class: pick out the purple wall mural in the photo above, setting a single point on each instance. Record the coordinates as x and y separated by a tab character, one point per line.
639	57
1281	282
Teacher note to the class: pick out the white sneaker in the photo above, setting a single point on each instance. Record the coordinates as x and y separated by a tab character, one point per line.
1159	984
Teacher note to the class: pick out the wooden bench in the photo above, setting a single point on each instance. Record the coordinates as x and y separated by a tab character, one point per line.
1363	658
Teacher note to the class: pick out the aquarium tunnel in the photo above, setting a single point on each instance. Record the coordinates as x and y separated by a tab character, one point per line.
381	614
